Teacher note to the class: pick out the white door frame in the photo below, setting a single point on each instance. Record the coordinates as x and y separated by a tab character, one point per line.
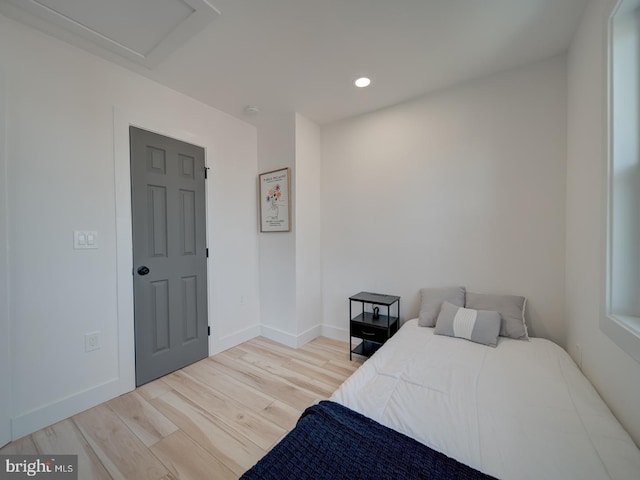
180	128
5	355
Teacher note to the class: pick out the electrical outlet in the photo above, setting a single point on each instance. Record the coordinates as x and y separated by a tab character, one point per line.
92	341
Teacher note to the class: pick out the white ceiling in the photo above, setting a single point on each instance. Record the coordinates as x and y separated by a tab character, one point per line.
142	31
303	55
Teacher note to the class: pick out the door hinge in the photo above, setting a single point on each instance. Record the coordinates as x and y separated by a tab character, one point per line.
207	250
209	331
206	172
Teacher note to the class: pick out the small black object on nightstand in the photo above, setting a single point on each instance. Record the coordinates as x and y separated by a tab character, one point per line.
372	327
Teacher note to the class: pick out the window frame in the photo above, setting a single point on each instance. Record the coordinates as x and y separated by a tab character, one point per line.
623	330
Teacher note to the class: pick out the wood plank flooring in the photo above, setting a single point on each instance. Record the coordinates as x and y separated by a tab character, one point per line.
213	419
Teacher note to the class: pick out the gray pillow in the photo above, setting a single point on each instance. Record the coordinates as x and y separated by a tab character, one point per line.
511	310
432	299
480	326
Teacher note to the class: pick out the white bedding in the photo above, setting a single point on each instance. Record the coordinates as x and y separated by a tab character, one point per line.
520	410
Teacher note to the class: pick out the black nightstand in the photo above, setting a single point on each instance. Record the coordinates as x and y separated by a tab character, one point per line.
373	331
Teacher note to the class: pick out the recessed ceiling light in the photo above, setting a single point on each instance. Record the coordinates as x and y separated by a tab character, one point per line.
362	82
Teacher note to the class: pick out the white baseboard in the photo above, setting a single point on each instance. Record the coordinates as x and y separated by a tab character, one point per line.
308	335
289	339
279	336
47	415
54	412
233	339
336	333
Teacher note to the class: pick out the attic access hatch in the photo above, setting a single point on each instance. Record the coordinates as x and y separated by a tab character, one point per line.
143	31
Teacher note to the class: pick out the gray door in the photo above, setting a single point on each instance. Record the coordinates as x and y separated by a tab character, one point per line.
169	254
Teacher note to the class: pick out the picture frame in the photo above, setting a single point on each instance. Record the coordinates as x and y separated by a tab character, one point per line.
275	200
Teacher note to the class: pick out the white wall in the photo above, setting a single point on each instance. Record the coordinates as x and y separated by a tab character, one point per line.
290	267
276	149
308	230
615	375
462	187
5	371
63	155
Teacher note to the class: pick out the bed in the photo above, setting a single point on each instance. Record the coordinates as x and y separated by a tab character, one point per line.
522	410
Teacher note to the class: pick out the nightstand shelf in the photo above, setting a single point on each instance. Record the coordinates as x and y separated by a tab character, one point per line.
366	348
373	332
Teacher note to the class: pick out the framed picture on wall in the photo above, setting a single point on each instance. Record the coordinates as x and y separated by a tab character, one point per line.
275	201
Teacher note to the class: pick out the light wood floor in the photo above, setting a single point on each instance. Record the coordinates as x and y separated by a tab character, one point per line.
213	419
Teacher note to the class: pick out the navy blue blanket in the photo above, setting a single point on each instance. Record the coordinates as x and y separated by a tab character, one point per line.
333	442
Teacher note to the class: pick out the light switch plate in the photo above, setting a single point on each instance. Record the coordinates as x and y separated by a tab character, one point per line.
85	239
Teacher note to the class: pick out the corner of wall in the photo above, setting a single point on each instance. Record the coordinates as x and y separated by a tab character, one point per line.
290	263
276	149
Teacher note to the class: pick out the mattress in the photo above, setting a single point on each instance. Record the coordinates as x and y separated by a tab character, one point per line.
522	410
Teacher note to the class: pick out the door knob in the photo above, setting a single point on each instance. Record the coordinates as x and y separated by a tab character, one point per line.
143	270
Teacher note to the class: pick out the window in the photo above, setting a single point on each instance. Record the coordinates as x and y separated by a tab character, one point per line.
621	321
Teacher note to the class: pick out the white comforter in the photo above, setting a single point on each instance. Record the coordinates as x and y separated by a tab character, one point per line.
520	410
